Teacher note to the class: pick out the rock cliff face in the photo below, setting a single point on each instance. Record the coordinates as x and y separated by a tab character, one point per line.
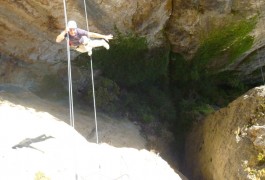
28	50
28	28
190	20
29	54
229	144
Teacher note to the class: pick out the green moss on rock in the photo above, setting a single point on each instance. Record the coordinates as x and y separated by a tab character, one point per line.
224	45
129	60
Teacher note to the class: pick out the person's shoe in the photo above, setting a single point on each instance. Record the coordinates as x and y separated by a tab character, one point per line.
89	50
89	53
105	45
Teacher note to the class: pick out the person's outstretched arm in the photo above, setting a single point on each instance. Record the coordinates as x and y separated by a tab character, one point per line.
61	36
101	36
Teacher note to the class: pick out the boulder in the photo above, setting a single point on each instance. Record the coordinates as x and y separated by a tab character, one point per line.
229	144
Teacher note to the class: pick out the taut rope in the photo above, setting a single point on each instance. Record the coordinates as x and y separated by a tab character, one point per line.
72	119
92	77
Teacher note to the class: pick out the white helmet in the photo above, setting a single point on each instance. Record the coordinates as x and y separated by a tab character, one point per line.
72	24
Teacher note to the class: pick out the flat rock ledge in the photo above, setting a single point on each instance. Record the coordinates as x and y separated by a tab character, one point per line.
46	148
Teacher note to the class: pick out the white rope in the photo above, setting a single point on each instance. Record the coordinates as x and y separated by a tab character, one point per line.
94	98
92	77
72	120
71	107
86	16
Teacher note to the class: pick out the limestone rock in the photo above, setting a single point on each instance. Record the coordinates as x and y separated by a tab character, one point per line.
67	154
226	145
193	20
257	135
29	28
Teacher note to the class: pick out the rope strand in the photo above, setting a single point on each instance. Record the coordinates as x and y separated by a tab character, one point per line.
94	99
72	121
92	77
86	15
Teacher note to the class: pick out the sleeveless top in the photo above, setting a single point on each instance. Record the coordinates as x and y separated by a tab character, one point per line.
75	40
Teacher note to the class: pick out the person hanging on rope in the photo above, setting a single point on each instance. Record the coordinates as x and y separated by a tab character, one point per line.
81	41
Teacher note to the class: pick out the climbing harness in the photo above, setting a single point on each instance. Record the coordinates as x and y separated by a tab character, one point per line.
72	119
92	78
258	52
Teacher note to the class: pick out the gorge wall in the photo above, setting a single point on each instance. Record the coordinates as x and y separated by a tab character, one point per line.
229	143
28	28
29	54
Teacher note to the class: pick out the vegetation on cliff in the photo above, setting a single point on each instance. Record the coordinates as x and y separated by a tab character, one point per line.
156	85
223	45
140	74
